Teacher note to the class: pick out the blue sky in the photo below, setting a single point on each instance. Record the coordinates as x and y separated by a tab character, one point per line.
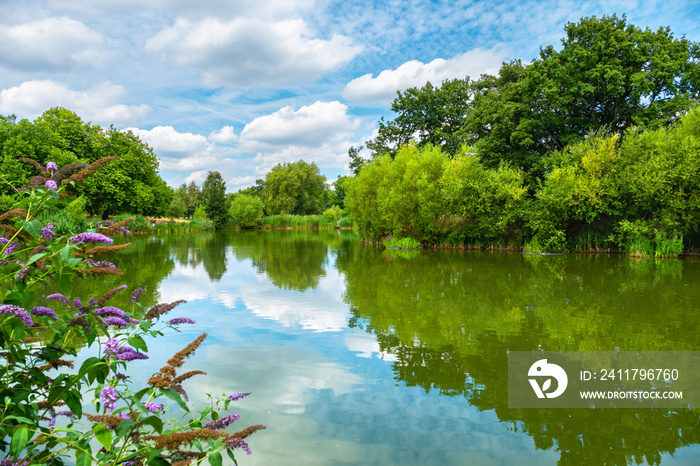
240	86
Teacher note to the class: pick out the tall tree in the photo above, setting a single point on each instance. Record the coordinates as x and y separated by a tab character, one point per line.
214	192
294	188
429	115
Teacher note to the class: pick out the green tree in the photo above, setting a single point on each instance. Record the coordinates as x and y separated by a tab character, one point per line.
429	115
178	205
608	75
214	192
294	188
248	210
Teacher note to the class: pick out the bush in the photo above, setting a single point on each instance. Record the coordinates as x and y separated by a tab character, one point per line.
126	422
333	214
403	243
247	210
76	210
199	213
346	222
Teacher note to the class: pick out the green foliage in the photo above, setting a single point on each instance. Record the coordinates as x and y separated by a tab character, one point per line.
402	243
294	188
333	214
76	209
427	116
110	419
247	210
214	192
346	222
199	213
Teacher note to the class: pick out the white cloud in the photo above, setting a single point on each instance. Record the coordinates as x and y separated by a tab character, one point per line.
223	136
248	52
52	43
383	88
239	182
167	142
98	104
311	125
198	177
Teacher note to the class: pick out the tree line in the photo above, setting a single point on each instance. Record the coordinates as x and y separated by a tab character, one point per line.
591	146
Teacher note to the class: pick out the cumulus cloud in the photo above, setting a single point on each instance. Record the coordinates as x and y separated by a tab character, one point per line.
52	43
223	136
98	104
239	182
247	52
167	142
383	88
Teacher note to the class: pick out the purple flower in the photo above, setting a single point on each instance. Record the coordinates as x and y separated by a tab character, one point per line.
115	321
223	422
129	354
238	396
132	320
22	274
77	302
12	461
111	347
153	407
232	443
136	295
90	238
62	413
100	264
51	184
108	395
124	230
11	247
44	311
110	311
51	226
181	320
51	167
18	312
92	302
59	297
47	234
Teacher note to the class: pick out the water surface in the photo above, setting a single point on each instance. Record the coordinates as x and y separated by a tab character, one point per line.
360	356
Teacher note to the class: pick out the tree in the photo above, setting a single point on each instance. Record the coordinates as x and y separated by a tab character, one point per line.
214	192
248	210
609	75
294	188
429	115
178	205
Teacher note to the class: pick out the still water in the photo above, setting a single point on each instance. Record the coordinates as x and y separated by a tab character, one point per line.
361	356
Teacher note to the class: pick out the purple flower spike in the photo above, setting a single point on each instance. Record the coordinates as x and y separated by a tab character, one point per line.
51	184
108	395
100	264
111	347
47	234
135	295
125	355
110	311
11	246
59	297
232	443
181	320
18	312
223	422
44	311
238	396
153	407
51	167
13	461
90	238
116	322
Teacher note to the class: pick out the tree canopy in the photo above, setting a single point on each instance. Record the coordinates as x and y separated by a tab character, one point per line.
294	188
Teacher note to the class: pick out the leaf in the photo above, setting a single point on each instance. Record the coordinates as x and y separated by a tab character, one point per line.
65	253
20	437
175	396
215	459
138	343
33	227
155	422
103	435
84	459
73	402
35	258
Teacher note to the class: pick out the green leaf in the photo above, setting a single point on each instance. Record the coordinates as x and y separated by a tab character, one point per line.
175	396
138	343
231	455
215	459
65	283
73	402
20	437
155	422
35	258
124	428
65	253
33	227
84	459
103	435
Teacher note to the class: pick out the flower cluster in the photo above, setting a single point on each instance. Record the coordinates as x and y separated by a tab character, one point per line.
91	238
108	395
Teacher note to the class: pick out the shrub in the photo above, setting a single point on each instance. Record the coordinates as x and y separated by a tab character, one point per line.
199	213
76	209
247	210
346	222
125	424
333	214
403	243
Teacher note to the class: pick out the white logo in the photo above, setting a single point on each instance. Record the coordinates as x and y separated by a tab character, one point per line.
543	369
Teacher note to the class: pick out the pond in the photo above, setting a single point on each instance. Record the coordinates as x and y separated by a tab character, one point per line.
356	355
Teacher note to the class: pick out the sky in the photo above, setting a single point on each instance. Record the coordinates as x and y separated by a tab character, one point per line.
241	86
